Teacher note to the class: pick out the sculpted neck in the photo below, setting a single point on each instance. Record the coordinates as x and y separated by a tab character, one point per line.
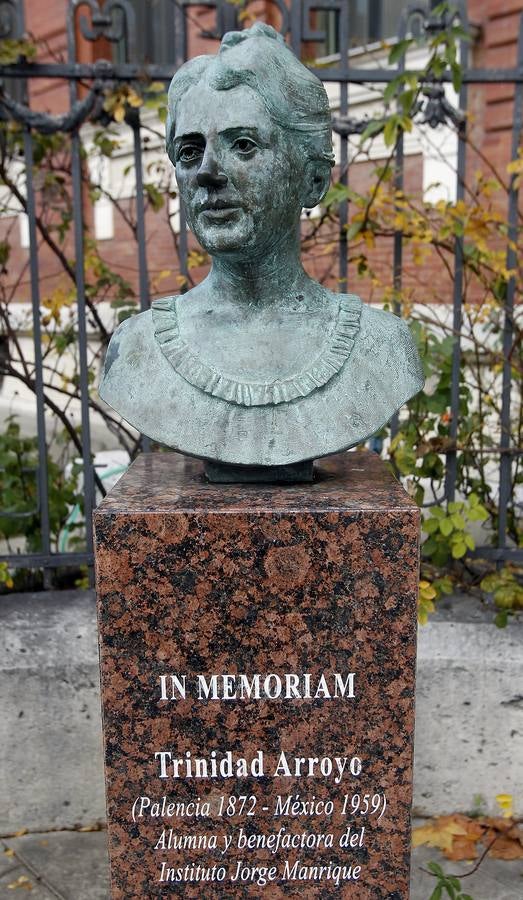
260	281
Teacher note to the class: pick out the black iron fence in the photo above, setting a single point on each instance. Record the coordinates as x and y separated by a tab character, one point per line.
324	29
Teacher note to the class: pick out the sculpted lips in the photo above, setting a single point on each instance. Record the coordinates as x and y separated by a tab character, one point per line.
219	210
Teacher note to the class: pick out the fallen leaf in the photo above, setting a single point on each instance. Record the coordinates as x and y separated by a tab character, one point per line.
506	848
21	882
438	834
496	823
507	838
9	852
457	836
462	848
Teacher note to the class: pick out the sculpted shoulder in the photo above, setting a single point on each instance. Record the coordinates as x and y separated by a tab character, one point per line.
134	334
388	339
132	352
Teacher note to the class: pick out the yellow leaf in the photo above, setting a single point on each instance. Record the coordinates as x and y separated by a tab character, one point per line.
119	114
506	804
515	167
21	882
134	99
440	833
9	852
427	591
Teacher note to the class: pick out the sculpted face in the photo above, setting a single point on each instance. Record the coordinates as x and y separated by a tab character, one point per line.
236	171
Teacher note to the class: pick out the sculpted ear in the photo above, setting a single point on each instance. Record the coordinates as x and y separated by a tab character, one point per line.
317	180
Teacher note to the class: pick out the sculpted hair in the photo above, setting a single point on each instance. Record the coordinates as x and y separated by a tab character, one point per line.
258	57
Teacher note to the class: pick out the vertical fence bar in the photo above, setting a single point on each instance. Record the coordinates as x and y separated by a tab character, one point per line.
343	250
143	273
397	260
295	26
505	463
46	558
88	469
343	20
180	35
43	485
399	181
457	315
78	217
180	56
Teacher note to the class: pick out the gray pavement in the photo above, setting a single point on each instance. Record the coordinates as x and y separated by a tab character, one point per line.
72	865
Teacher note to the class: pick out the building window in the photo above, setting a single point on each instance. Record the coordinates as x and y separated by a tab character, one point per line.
369	21
153	33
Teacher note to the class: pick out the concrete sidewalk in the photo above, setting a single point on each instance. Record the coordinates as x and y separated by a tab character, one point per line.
72	865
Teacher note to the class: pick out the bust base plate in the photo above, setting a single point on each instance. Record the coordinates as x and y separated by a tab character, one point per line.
227	473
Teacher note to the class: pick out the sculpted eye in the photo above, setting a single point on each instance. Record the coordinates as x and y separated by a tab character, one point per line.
244	146
189	153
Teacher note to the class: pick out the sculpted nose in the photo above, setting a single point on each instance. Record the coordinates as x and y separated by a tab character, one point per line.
208	174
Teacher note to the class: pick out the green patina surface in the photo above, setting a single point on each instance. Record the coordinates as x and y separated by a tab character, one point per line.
259	365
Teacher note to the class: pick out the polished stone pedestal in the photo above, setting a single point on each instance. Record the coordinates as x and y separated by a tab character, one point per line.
258	657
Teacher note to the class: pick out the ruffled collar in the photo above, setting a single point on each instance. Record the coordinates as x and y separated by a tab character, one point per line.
328	363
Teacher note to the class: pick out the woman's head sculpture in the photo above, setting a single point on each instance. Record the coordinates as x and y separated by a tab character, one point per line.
258	57
258	365
258	120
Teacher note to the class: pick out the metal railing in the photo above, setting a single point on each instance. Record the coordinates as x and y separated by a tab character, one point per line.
114	22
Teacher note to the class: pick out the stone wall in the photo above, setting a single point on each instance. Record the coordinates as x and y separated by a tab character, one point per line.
469	716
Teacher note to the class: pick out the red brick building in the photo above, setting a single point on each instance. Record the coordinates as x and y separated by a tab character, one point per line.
496	26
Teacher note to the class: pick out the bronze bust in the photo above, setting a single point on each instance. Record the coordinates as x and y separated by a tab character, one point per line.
259	365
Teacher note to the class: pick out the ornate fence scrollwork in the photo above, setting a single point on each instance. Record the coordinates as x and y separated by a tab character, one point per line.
46	124
11	19
115	22
306	25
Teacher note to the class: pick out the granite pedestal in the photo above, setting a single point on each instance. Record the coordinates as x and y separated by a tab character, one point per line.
258	656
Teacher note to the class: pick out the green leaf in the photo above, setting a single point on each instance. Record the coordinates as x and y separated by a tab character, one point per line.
374	127
431	525
399	50
501	618
337	193
354	229
458	550
458	521
446	527
155	197
470	542
5	249
436	869
390	132
430	546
